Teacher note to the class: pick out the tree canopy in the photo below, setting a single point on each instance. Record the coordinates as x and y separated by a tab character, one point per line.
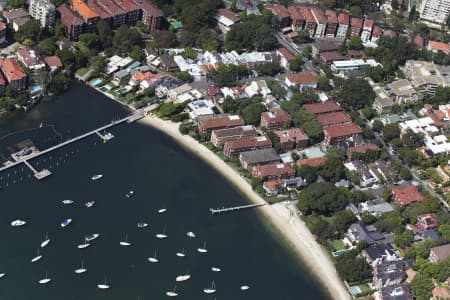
323	198
352	268
355	93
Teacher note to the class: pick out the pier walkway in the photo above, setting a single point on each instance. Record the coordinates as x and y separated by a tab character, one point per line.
234	208
44	173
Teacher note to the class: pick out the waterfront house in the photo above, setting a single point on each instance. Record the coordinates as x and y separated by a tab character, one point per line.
376	207
440	253
54	63
14	74
273	187
342	134
359	232
249	159
275	170
390	273
293	138
377	253
404	196
207	124
200	108
30	58
220	136
275	120
397	292
234	148
367	177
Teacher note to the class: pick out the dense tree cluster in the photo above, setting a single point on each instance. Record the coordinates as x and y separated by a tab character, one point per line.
355	93
249	109
322	198
352	268
228	75
256	33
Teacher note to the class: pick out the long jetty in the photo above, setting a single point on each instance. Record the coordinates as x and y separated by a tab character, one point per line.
234	208
44	173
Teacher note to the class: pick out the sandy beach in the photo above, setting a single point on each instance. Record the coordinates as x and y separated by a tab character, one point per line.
283	216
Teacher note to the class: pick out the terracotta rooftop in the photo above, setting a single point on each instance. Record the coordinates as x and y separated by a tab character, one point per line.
286	54
15	13
127	5
303	78
441	293
247	130
377	31
407	195
321	108
312	162
292	134
276	116
258	141
306	12
11	69
2	26
338	117
330	56
344	18
356	22
83	9
271	170
68	16
220	121
368	23
53	61
278	10
389	33
362	149
438	46
228	14
319	15
295	13
419	41
149	8
342	130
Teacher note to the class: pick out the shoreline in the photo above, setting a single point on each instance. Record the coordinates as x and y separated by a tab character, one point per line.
283	216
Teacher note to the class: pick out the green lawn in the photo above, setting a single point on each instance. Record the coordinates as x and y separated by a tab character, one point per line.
82	71
338	245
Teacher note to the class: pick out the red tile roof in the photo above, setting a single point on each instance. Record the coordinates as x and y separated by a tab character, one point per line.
389	33
293	134
306	12
342	130
53	61
362	149
2	26
83	9
356	22
338	117
368	23
272	185
419	41
321	108
441	293
251	142
277	115
344	18
331	16
319	15
407	195
295	13
330	56
438	46
219	121
286	54
149	8
68	16
312	162
228	14
441	252
272	170
303	78
15	14
11	69
278	10
376	31
127	5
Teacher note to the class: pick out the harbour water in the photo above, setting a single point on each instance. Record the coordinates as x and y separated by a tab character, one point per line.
162	175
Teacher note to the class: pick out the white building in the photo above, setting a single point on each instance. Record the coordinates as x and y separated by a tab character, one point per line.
435	11
200	108
44	11
352	64
367	31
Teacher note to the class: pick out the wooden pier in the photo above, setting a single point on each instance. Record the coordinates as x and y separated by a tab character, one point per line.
44	173
234	208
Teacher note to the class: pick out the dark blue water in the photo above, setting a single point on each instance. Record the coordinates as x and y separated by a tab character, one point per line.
162	175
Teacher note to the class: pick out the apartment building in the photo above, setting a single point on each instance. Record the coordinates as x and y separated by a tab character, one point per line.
435	11
14	74
332	23
321	21
356	27
310	22
344	22
297	19
367	31
43	11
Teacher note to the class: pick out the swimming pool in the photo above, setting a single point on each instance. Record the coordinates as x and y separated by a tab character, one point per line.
96	82
355	290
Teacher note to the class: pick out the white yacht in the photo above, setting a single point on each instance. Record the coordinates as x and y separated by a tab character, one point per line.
46	241
89	204
142	225
81	270
162	210
125	243
203	249
2	275
182	278
92	237
210	290
37	257
172	293
190	234
84	245
162	235
103	286
181	253
17	223
153	259
66	222
67	202
45	280
244	287
215	269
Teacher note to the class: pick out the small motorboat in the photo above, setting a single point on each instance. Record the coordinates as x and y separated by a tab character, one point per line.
130	194
96	177
81	270
190	234
45	280
89	204
46	241
2	275
103	286
125	243
210	290
162	235
92	237
18	223
37	257
244	287
162	210
182	278
203	249
67	202
142	224
84	245
215	269
66	222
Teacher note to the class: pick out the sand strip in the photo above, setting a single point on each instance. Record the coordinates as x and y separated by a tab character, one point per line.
283	216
